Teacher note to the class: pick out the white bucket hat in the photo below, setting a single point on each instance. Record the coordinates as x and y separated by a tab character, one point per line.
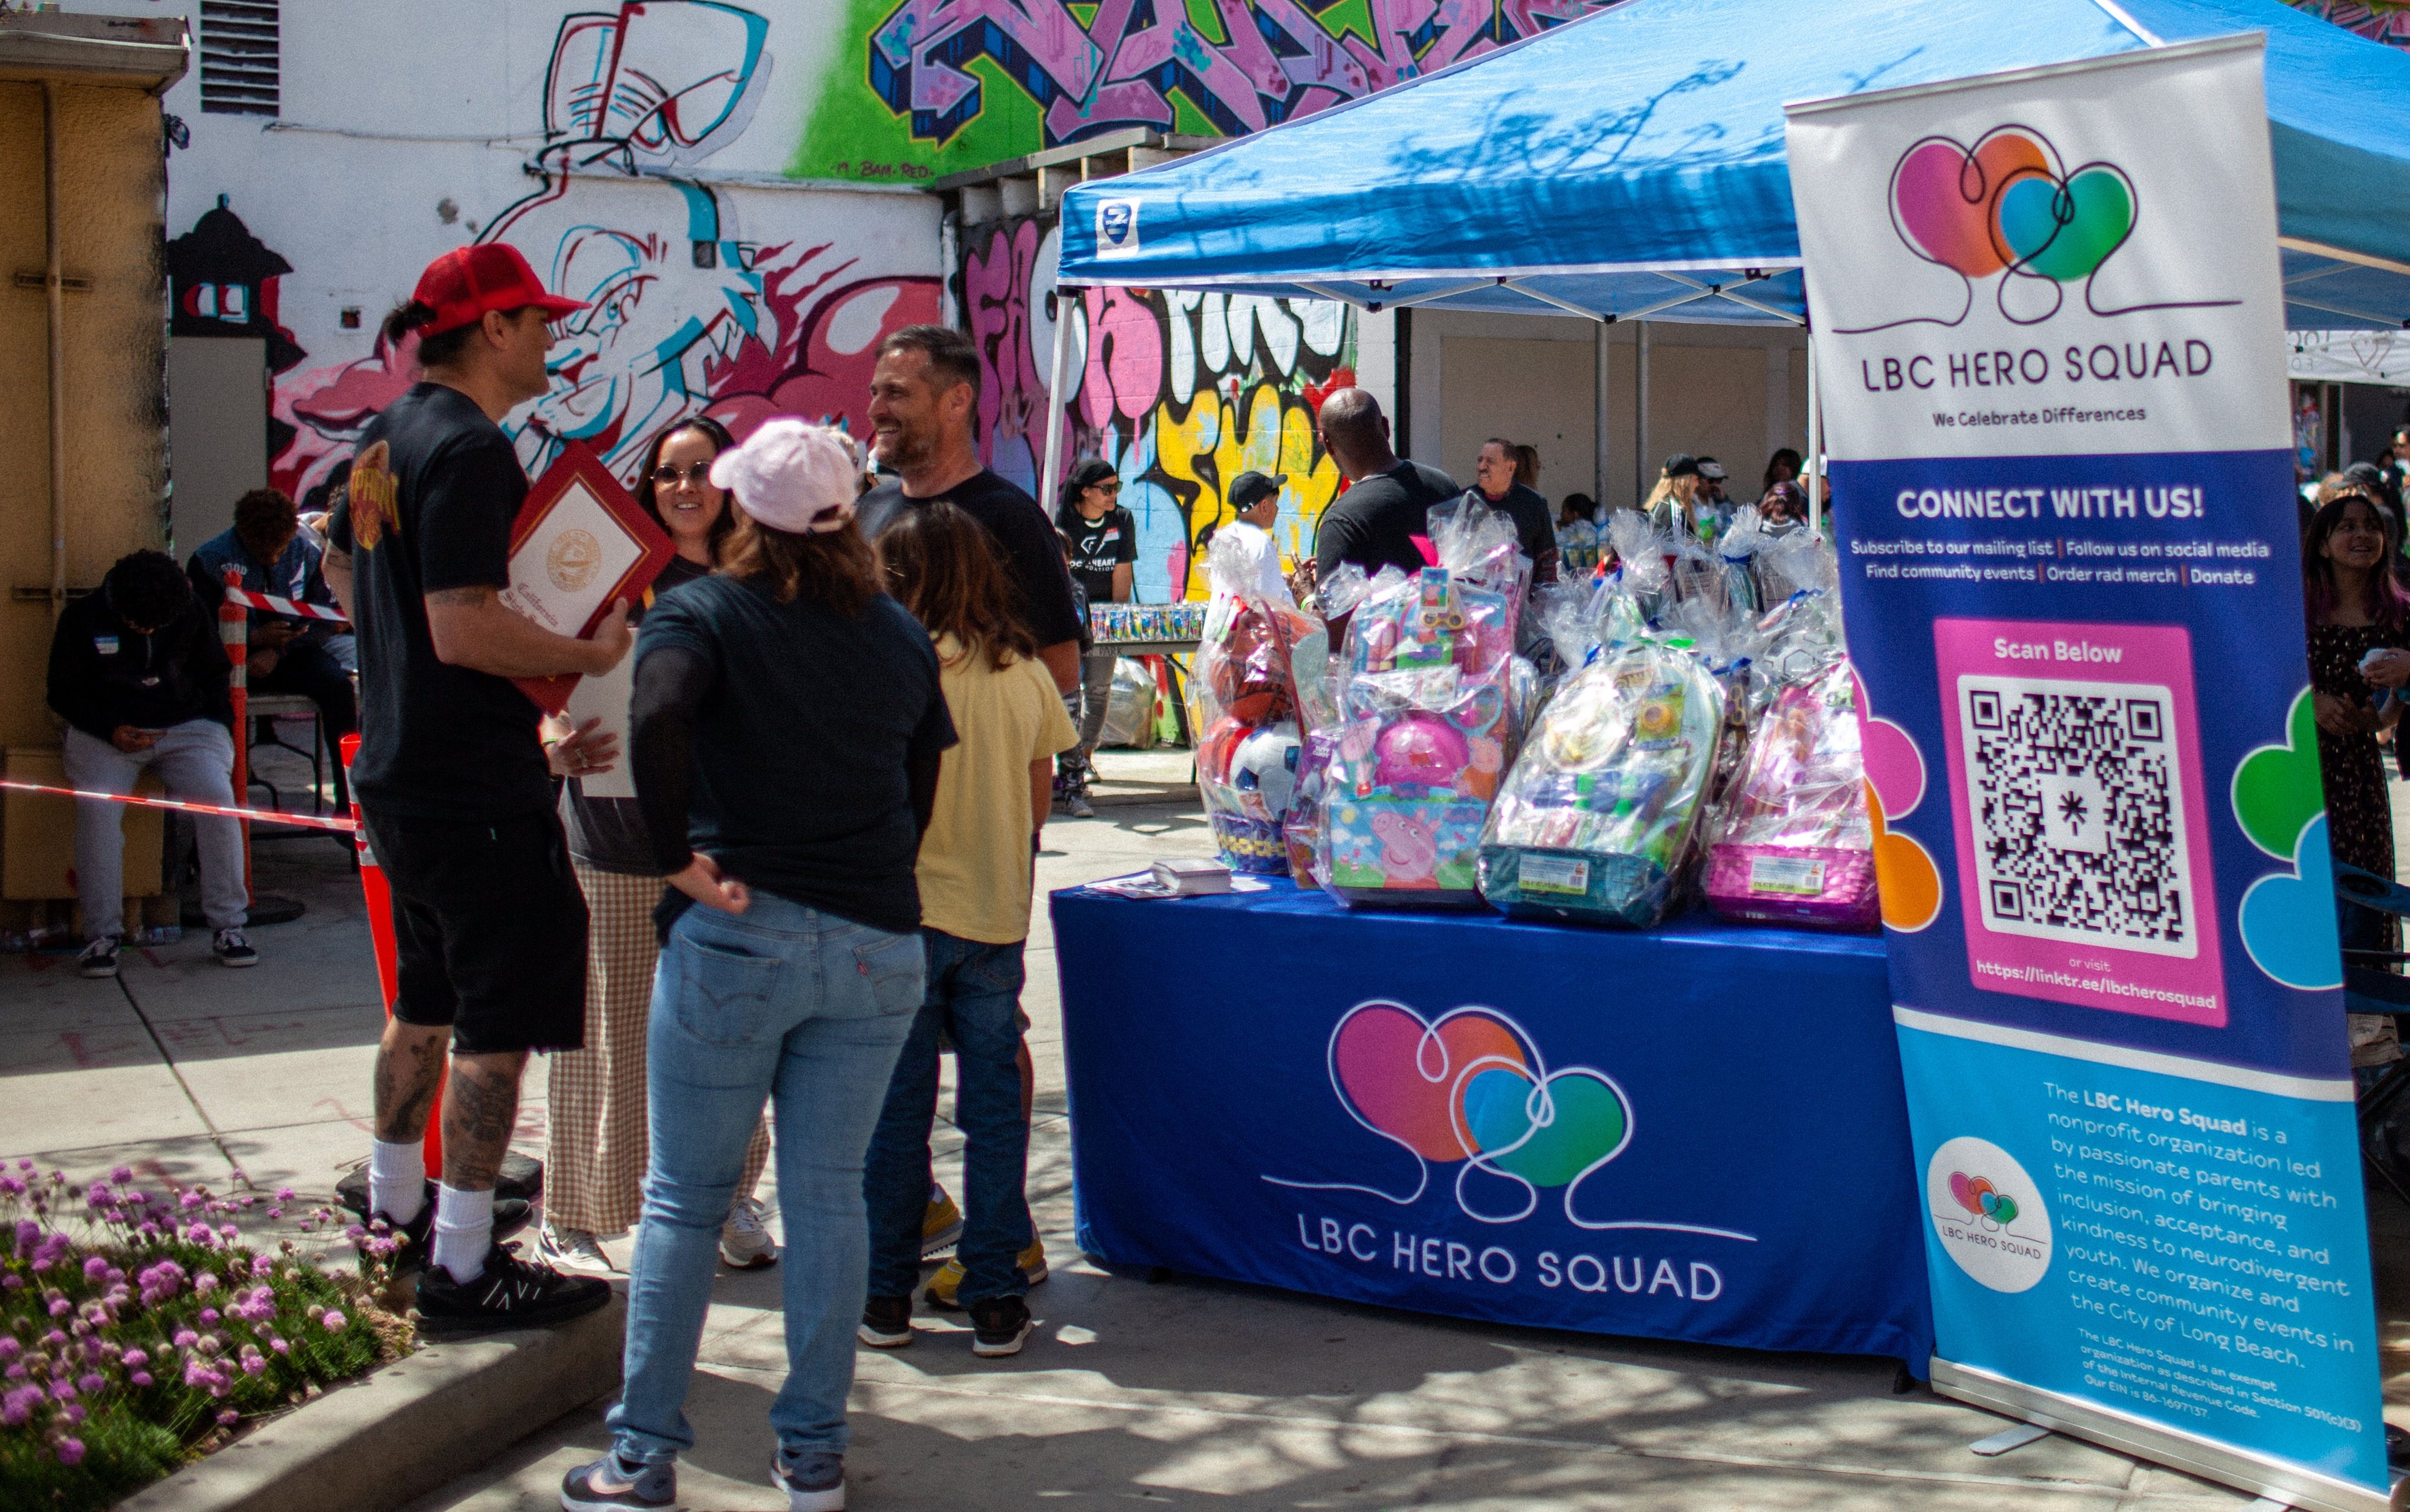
792	476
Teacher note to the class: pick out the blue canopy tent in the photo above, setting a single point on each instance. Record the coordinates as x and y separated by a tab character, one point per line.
1630	165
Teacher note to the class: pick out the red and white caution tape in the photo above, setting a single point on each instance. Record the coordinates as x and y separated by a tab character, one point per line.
274	604
271	816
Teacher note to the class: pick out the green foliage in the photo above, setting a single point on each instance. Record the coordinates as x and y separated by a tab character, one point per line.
140	1334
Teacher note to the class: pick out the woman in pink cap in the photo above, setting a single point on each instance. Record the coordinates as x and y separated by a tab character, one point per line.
785	737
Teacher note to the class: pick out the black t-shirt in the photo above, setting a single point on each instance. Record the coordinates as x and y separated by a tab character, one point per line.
608	834
1098	547
1375	523
802	734
1033	555
434	488
1533	528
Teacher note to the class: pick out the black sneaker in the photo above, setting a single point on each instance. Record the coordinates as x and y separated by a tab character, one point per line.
99	958
510	1216
1000	1326
886	1322
232	948
607	1484
510	1293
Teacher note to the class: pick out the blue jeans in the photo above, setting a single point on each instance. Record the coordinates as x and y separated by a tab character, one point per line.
974	996
807	1010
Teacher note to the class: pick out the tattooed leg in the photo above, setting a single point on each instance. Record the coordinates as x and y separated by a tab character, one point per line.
480	1106
409	1069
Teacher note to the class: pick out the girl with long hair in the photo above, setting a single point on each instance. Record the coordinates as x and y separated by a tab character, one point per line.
594	1168
2359	620
975	881
785	732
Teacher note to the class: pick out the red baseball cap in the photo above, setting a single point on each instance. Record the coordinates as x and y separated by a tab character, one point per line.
463	284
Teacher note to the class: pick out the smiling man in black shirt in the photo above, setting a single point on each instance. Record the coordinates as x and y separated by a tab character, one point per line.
923	395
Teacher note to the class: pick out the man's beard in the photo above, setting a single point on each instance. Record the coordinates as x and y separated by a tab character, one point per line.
904	448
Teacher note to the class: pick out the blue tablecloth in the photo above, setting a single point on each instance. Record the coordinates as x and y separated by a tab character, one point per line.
1696	1133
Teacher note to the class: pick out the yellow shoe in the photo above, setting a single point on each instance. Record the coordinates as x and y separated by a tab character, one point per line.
941	1225
949	1279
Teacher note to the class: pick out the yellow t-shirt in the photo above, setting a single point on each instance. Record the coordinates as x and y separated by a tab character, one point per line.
975	862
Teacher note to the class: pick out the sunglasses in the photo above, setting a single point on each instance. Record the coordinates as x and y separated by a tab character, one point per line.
697	474
1109	485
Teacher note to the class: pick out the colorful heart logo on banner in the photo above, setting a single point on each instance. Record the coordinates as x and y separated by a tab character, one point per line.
1546	1132
1982	1200
1469	1086
2003	205
2277	789
2287	919
1400	1074
2066	230
1941	197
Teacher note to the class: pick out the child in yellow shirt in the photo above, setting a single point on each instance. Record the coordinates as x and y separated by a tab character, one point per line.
994	791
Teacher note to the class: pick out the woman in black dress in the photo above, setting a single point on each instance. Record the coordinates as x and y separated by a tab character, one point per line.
2356	607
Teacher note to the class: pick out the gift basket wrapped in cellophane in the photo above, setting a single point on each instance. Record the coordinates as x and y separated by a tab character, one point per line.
1261	675
1428	697
1793	842
1598	815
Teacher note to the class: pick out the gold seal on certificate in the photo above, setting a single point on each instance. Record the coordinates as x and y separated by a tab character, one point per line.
580	542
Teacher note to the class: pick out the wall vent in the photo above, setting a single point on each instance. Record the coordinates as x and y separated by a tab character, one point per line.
238	57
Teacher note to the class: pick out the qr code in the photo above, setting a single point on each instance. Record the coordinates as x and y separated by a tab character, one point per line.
2078	812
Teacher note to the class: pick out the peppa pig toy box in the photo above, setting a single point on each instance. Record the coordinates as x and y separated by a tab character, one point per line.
1411	852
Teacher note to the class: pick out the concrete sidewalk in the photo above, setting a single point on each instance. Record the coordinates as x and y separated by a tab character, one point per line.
1177	1392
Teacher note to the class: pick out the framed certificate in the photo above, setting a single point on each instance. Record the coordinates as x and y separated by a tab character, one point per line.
580	542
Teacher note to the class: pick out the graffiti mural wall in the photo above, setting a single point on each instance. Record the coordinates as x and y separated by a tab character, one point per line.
635	152
1180	391
2377	19
925	87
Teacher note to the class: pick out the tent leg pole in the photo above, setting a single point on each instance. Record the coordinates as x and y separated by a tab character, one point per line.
1054	399
1598	390
1640	480
1815	445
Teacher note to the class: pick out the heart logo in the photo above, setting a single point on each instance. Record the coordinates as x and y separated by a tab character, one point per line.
2287	919
1894	765
1943	197
1906	882
1546	1132
1400	1075
2063	231
2277	789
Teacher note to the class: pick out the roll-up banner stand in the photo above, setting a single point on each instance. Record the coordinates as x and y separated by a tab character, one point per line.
2050	330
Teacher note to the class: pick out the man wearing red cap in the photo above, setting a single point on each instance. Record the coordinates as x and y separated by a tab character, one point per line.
452	781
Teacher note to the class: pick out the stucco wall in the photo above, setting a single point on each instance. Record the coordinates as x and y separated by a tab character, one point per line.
111	188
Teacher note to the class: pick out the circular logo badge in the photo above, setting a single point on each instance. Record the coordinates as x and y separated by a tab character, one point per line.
573	560
1989	1213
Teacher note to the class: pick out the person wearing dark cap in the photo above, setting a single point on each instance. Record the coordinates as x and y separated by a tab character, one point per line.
141	676
1255	505
454	785
1494	470
1103	540
1673	504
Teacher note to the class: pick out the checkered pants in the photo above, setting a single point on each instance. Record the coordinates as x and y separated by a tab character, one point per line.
594	1174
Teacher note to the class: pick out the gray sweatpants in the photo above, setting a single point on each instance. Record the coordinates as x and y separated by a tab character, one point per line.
196	759
1095	694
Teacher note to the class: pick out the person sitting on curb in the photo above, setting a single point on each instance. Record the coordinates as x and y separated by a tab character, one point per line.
138	674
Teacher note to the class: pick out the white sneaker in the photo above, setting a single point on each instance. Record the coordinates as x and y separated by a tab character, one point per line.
574	1250
745	1243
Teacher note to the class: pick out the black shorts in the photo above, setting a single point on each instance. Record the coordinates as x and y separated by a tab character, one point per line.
491	929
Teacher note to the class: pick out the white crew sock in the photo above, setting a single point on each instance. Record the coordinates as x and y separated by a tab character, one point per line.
464	1231
397	1180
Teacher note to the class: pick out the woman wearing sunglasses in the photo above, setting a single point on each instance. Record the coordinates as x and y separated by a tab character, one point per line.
593	1178
1104	557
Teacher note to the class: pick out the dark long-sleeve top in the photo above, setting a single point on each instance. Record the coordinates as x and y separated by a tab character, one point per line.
104	673
298	575
796	746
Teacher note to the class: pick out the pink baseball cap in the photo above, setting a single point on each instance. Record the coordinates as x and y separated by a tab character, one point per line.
792	476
